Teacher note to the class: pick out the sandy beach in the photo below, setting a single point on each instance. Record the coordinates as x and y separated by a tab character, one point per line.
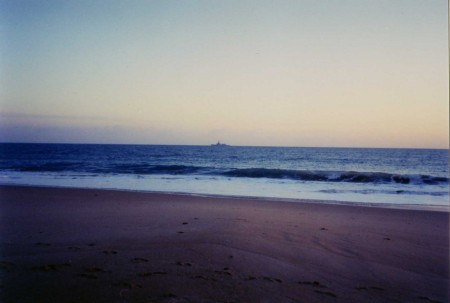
84	245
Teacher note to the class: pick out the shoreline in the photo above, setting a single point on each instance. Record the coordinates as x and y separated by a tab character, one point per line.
418	207
84	245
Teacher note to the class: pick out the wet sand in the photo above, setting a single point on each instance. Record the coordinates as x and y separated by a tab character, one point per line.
84	245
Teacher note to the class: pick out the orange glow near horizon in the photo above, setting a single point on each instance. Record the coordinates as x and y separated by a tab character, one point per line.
344	73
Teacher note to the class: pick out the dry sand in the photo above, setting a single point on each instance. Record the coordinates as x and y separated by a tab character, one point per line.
83	245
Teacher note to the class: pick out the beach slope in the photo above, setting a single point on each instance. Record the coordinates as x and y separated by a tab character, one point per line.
85	245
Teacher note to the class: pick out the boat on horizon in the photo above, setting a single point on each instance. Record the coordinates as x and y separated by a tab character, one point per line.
218	144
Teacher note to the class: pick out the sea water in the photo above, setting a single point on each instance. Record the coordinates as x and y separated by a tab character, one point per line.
402	177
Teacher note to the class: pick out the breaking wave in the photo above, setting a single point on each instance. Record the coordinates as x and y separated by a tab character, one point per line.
300	175
335	176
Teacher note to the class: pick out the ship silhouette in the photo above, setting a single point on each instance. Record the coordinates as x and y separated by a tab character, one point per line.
218	144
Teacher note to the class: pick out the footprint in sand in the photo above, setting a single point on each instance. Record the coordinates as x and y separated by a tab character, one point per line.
199	277
250	278
50	267
88	276
126	284
428	299
327	293
94	269
369	288
272	279
315	284
204	278
183	264
154	273
169	295
139	260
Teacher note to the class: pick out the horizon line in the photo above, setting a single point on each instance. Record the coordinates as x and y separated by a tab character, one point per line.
227	145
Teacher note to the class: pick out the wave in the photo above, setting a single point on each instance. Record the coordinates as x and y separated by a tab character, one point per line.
79	167
146	169
175	169
335	176
386	192
47	167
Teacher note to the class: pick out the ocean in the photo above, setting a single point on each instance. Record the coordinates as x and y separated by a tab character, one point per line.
376	176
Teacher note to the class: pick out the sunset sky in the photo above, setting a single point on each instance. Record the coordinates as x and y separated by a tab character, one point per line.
290	73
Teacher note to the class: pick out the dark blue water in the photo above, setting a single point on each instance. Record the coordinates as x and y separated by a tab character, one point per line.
402	176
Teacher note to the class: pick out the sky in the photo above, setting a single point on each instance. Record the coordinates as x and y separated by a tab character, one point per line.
339	73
